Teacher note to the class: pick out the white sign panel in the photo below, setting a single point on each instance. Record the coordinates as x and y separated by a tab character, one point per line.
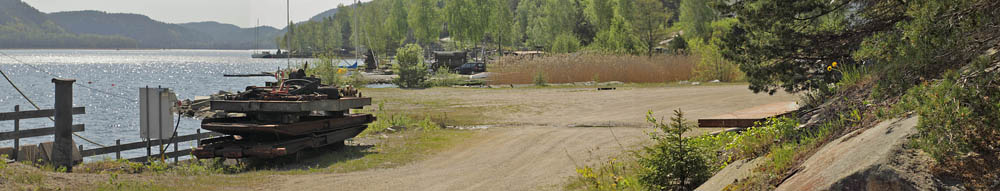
156	120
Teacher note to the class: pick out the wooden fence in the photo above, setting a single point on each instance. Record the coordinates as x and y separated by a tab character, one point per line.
62	148
149	146
19	133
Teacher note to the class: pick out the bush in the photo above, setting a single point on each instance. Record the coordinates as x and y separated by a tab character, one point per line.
410	67
539	79
757	140
672	163
565	43
957	118
325	70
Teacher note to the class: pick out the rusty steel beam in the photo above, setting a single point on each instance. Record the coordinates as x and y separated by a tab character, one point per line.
343	104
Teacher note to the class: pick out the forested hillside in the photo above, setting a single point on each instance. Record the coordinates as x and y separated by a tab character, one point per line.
633	27
228	36
22	26
149	33
618	26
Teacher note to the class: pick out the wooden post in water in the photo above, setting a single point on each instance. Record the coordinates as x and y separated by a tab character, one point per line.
62	148
17	127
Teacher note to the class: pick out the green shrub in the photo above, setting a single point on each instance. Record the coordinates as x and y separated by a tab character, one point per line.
957	118
565	43
410	67
758	139
613	175
325	70
539	79
672	163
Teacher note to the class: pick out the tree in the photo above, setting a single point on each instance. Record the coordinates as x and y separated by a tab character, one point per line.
502	20
410	67
396	26
695	16
651	25
424	21
672	163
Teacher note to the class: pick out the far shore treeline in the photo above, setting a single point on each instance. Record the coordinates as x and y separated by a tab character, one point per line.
635	27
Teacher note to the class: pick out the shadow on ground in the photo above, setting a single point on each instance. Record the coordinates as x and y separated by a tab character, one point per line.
313	158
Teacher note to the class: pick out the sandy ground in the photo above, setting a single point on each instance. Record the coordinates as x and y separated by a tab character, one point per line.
538	149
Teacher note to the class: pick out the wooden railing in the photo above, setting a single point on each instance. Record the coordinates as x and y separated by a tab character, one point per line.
62	148
19	133
149	146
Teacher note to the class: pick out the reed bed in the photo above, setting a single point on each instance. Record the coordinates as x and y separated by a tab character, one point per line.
569	68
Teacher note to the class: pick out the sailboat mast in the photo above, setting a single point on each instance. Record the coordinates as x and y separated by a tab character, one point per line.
256	37
357	45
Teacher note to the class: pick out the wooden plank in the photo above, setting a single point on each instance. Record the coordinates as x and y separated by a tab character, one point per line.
36	114
35	132
728	122
168	155
142	144
747	117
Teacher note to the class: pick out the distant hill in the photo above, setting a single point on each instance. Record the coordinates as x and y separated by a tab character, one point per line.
150	33
233	37
23	26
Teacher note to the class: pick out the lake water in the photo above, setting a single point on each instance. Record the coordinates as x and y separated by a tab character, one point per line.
108	83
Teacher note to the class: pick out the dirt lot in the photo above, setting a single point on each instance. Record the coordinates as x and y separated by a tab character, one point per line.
538	139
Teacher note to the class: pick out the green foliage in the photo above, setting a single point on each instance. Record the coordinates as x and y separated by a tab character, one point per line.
852	74
542	21
651	23
678	45
319	37
695	17
759	139
445	78
789	47
613	175
565	43
423	19
672	163
410	67
955	118
325	70
539	79
3	162
19	35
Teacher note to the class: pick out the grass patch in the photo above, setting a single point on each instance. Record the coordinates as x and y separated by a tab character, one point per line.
393	150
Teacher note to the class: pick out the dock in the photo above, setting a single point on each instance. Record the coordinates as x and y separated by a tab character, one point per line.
747	117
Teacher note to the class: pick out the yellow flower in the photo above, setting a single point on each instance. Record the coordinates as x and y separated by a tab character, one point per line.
834	64
829	68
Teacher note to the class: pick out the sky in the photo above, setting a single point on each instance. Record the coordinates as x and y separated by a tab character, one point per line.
243	13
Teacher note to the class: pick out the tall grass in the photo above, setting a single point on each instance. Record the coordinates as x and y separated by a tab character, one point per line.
568	68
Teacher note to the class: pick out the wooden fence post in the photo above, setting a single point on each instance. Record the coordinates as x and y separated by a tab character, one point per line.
118	150
175	146
62	148
17	127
